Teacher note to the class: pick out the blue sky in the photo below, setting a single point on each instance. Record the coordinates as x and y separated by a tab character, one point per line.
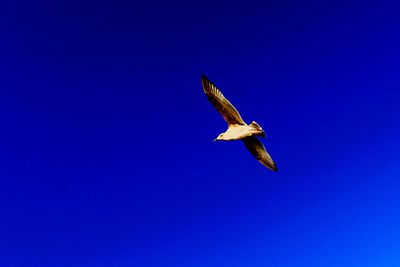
106	136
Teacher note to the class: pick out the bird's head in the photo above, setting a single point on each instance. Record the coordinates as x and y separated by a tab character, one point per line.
219	137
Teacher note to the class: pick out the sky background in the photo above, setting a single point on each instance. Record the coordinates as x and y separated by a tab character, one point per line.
106	152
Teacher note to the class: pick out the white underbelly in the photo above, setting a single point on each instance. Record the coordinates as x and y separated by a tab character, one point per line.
238	132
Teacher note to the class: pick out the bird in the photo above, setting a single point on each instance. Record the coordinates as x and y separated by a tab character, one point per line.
237	128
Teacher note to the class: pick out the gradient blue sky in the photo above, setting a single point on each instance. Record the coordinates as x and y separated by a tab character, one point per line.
106	152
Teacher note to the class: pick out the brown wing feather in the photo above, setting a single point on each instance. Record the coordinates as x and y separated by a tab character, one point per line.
257	149
223	106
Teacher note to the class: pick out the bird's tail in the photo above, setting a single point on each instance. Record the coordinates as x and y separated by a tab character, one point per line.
258	128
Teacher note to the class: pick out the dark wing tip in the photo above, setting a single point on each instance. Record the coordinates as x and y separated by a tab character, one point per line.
207	84
274	168
269	165
204	78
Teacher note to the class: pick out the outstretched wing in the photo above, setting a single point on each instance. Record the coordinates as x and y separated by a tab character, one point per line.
217	99
257	149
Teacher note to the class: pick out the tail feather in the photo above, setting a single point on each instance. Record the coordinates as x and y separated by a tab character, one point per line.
258	128
255	125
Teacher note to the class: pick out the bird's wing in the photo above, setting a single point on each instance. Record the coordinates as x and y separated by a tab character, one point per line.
257	149
217	99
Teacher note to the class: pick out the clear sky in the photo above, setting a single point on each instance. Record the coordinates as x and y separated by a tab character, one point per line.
106	152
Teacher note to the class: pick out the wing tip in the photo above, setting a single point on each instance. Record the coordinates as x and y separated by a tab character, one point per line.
204	78
207	85
270	166
204	81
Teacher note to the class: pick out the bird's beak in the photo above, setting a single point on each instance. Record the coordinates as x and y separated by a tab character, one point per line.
216	139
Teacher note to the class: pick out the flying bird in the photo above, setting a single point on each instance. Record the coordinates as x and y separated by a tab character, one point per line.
237	128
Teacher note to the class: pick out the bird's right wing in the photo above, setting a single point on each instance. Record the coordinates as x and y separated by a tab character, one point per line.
257	149
217	99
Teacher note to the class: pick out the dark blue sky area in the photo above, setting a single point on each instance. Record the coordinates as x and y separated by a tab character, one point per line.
106	152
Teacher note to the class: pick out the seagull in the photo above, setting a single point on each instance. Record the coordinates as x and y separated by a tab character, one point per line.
237	128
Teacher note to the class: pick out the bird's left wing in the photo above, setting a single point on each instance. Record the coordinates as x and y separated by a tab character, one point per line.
257	149
217	99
